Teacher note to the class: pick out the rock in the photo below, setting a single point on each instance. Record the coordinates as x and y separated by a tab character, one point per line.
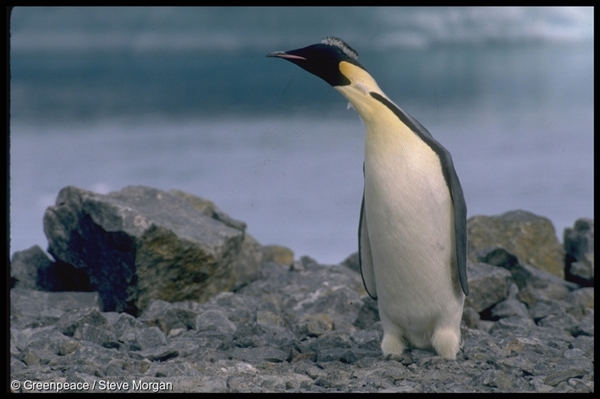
71	320
488	285
278	254
213	320
340	303
515	324
585	326
32	309
494	378
582	298
510	306
150	337
250	257
96	335
579	249
315	325
247	262
352	262
544	283
32	268
24	267
470	317
209	209
498	256
168	317
545	308
530	237
526	277
563	375
563	321
140	244
258	355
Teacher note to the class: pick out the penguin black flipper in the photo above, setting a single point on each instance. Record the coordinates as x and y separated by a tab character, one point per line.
460	220
365	260
451	178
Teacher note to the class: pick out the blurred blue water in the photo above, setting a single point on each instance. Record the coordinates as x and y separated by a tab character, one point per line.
185	98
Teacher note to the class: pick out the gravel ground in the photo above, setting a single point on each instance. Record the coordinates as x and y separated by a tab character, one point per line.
304	328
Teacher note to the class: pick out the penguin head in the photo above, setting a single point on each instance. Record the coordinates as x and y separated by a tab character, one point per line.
324	60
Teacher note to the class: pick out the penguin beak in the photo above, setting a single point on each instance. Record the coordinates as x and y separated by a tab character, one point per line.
284	55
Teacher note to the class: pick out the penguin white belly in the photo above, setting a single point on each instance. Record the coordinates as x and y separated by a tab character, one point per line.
409	215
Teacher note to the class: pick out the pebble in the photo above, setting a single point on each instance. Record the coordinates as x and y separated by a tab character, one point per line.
292	330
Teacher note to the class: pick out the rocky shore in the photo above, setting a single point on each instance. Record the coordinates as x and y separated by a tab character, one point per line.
153	291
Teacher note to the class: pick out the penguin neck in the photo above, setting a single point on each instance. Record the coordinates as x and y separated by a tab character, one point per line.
386	133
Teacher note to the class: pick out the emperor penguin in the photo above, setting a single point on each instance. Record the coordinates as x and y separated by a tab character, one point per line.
412	231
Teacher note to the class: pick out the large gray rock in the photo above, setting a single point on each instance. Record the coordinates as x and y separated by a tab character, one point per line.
530	237
141	243
579	248
525	276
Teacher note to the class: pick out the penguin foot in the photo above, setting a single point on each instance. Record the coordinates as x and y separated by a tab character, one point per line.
446	343
392	345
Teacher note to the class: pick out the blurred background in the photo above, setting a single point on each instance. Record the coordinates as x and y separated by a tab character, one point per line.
185	98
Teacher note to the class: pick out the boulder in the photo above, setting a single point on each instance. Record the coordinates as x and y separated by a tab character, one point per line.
142	243
525	276
530	237
579	252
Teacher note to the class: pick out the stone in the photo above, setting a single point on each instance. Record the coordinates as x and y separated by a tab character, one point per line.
278	254
581	300
470	317
544	283
214	320
341	303
32	308
98	336
563	375
368	314
24	266
510	306
141	243
352	262
498	256
151	337
579	252
71	320
167	316
315	325
564	321
488	285
545	308
494	378
530	237
257	355
516	324
247	263
345	355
